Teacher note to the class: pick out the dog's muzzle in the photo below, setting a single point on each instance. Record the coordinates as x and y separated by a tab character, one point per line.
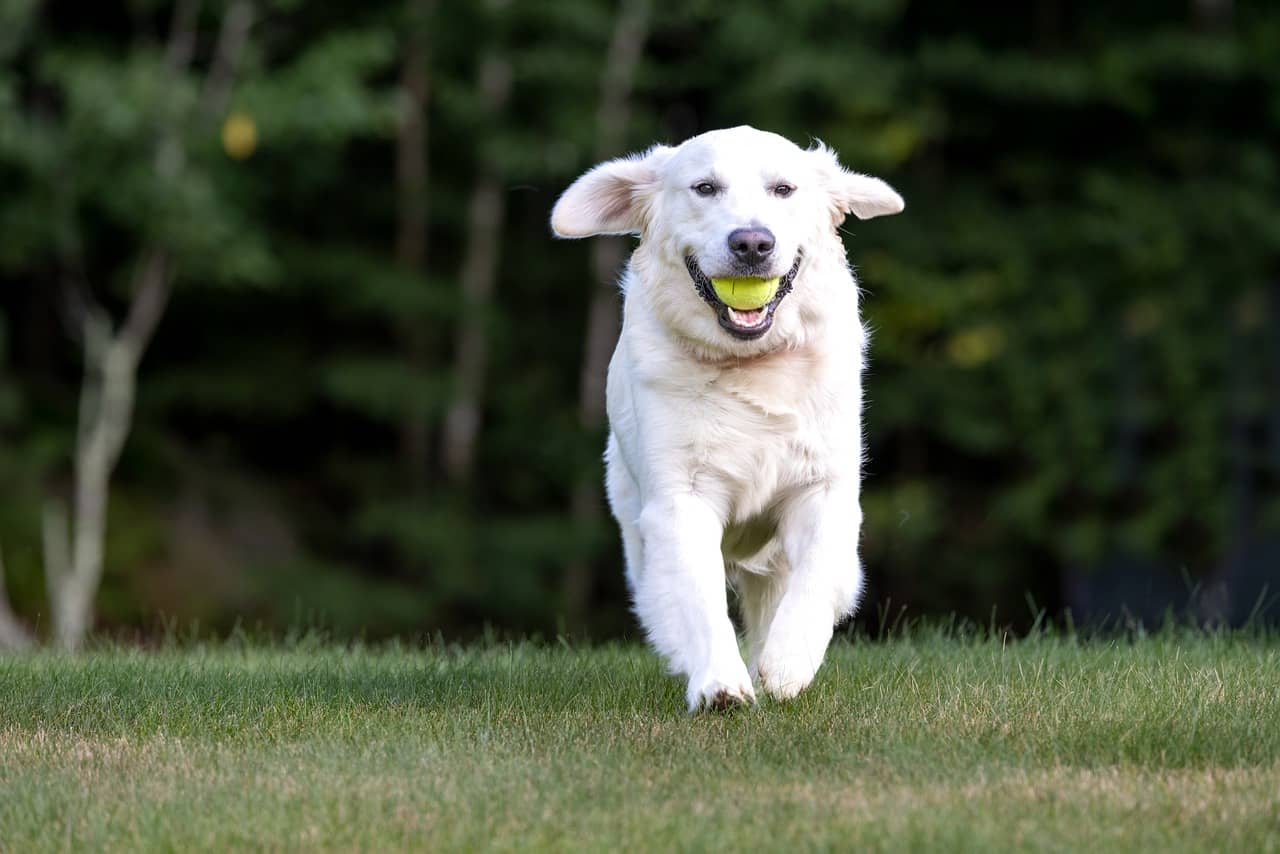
744	325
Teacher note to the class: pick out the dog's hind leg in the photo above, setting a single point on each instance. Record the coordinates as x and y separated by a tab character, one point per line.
759	587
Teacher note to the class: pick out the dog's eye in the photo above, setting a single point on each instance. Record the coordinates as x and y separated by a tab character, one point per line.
704	188
783	190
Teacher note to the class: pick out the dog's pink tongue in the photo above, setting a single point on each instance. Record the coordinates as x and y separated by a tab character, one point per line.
750	317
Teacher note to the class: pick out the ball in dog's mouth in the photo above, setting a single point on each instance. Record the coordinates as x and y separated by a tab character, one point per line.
745	298
744	304
747	293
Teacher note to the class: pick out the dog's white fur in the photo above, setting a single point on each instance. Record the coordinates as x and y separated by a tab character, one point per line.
732	459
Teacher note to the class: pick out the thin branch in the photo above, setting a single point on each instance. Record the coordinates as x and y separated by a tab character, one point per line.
77	301
232	38
153	285
626	46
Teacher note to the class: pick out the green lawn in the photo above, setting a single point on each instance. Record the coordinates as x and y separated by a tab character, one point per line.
923	743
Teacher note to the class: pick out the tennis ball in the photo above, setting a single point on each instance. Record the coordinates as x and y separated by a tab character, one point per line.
239	136
745	294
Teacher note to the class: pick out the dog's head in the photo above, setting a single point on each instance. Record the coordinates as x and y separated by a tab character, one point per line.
730	222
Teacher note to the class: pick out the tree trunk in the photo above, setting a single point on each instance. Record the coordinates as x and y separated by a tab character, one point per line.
72	575
485	215
631	27
411	230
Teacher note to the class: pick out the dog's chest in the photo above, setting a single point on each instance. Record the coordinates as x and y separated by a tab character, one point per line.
765	430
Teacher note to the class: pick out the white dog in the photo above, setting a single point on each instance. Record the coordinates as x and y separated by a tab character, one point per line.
735	449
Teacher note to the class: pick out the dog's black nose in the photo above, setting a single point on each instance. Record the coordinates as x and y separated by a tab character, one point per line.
751	245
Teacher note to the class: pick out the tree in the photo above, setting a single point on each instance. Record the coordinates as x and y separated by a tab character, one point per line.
608	254
112	354
133	142
486	214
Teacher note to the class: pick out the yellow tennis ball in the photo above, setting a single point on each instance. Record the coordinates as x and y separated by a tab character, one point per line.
239	136
745	294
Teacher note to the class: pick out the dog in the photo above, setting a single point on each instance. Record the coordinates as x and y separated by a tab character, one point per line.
734	455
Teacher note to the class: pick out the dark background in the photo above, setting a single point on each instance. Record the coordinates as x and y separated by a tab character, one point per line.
1074	384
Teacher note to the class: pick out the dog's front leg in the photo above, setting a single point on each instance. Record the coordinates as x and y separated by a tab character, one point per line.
820	536
681	600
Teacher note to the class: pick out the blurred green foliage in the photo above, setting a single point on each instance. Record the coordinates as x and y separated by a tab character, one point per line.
1074	352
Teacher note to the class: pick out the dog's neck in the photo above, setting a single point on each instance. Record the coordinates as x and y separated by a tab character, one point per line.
714	358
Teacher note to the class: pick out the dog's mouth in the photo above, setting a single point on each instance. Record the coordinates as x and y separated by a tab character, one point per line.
745	323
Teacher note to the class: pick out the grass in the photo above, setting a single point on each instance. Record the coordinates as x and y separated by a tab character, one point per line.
927	742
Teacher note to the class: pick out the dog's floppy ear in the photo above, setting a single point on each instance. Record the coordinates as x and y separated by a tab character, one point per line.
852	192
612	198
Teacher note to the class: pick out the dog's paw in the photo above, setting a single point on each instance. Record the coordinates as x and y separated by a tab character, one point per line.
784	676
714	694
